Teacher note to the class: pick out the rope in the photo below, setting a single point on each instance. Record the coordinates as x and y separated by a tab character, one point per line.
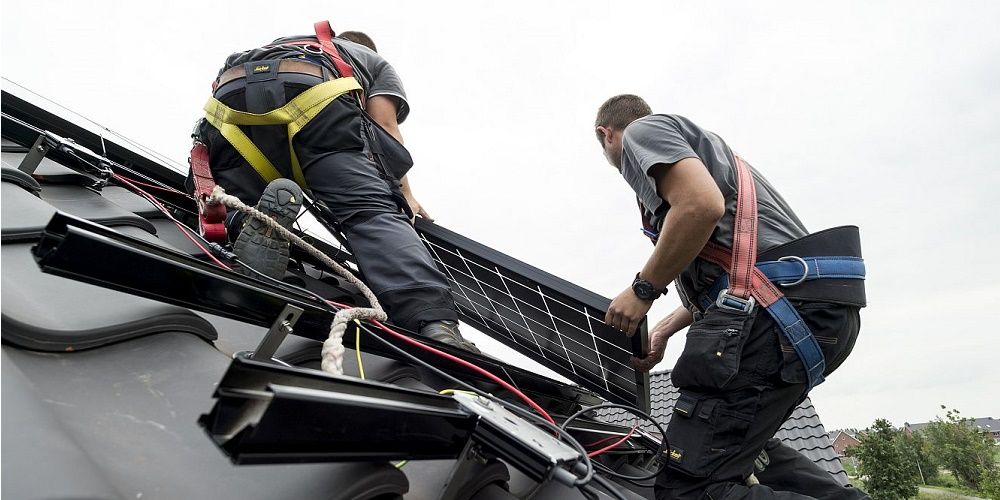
333	347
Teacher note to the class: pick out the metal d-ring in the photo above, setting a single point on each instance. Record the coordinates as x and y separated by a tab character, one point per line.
805	270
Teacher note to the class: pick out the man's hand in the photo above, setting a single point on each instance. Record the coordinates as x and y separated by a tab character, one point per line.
657	346
417	209
658	337
627	311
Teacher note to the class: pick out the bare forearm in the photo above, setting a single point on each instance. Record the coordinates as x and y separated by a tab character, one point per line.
684	234
676	321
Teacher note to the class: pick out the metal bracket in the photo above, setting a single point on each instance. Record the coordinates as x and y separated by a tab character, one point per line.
282	326
35	155
466	464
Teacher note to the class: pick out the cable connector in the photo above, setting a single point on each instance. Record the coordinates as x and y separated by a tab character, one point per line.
662	454
222	253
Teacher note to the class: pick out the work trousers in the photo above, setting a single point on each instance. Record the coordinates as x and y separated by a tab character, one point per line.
339	169
736	389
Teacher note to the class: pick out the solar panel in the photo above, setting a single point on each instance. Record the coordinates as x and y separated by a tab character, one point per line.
550	320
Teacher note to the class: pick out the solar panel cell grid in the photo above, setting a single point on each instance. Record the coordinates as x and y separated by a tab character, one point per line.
550	320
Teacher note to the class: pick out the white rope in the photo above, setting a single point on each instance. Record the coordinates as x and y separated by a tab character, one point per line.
333	347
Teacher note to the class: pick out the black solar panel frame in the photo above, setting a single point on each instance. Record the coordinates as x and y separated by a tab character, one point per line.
567	296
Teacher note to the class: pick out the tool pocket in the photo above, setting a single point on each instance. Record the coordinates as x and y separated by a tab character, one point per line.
394	157
712	352
705	431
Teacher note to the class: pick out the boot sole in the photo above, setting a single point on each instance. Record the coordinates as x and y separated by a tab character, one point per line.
259	246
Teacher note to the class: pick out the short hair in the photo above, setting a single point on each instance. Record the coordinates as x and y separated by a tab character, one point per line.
358	37
619	111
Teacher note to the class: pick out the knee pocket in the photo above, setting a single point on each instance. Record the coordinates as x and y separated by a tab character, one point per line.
706	430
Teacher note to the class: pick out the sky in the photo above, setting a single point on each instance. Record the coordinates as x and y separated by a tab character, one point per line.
884	115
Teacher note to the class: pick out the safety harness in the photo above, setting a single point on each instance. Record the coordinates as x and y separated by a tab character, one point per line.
211	215
748	282
294	115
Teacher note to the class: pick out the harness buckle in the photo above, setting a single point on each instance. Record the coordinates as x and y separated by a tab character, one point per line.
805	270
734	303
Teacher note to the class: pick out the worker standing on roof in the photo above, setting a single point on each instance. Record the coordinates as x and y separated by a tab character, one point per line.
322	113
772	309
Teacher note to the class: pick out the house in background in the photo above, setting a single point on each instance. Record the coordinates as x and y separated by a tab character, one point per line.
842	441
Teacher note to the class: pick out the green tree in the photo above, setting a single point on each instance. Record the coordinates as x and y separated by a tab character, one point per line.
917	449
887	473
961	448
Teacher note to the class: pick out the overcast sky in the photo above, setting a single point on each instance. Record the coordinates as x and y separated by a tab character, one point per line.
885	115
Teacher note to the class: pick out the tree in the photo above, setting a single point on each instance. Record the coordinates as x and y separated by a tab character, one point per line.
888	474
962	448
917	449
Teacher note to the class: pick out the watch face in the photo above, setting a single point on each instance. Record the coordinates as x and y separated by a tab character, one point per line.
643	289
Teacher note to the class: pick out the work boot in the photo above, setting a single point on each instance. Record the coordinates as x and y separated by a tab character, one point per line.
446	332
261	247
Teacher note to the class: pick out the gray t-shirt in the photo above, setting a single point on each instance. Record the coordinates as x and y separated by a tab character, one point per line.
372	71
668	139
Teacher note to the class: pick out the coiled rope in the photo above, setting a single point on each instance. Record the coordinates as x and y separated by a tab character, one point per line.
333	347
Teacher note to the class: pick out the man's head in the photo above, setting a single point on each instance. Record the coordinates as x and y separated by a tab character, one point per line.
612	118
358	37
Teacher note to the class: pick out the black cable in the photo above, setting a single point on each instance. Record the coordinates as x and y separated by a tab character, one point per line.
110	161
636	412
511	406
610	487
560	433
607	470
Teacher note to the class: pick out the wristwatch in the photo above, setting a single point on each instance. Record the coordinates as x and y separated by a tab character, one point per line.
645	290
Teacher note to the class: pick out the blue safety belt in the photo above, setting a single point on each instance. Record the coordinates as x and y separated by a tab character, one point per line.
790	271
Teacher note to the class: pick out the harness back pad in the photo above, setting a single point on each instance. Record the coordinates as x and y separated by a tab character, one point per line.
844	241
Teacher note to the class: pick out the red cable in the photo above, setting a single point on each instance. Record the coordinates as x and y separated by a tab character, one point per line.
599	441
154	186
183	229
522	396
614	445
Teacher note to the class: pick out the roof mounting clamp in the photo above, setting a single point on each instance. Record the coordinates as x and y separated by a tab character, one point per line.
282	327
35	155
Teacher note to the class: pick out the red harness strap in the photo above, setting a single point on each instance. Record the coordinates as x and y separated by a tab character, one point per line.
324	33
745	280
211	216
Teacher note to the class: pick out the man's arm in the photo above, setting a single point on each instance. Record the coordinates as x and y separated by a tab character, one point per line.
382	109
672	323
696	205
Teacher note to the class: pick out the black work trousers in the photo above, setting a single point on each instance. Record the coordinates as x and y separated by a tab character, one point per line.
335	155
739	381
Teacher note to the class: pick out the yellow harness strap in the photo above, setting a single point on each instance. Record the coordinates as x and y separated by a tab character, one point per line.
296	114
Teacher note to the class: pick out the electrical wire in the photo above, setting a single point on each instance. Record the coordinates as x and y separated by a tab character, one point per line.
520	395
457	391
638	413
115	164
162	188
455	359
546	419
184	229
615	444
530	415
610	487
357	350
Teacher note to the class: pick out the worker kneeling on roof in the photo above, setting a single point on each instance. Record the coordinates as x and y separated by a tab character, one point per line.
322	113
772	309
